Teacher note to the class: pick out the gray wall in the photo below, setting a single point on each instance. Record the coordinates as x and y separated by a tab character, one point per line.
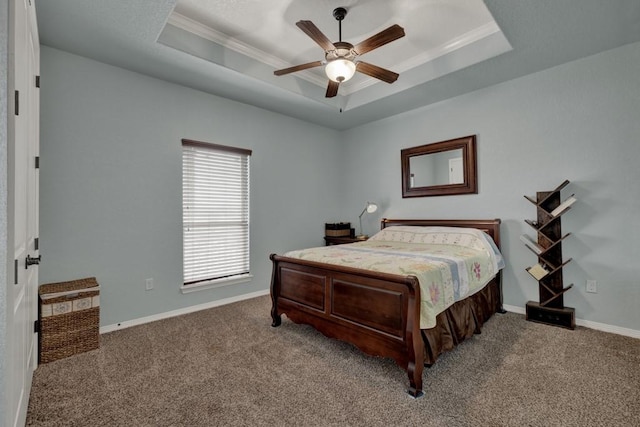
110	182
110	177
579	121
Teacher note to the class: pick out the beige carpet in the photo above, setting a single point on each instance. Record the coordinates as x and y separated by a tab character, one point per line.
228	367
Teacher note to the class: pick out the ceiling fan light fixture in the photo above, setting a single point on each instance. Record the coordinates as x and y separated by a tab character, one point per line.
340	70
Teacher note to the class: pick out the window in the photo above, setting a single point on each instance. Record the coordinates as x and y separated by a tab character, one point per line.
215	218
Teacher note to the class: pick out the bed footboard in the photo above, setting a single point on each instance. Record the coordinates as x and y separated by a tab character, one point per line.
377	312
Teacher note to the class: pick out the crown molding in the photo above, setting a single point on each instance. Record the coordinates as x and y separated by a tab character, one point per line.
459	42
346	89
192	26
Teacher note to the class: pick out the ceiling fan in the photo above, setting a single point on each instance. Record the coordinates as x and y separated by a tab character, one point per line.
340	57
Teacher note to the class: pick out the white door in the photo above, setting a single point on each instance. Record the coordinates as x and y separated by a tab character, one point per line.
455	171
22	183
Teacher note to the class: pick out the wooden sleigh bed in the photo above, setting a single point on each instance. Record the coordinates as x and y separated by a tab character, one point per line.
329	298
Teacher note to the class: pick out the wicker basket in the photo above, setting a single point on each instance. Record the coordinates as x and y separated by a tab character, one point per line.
69	318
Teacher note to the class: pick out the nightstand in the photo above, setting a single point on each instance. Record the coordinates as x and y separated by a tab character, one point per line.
330	240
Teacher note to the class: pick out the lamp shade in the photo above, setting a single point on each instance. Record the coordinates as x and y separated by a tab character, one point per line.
340	70
371	207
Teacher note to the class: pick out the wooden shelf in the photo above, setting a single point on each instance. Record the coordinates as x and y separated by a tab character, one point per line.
564	317
556	242
558	268
543	251
540	201
548	249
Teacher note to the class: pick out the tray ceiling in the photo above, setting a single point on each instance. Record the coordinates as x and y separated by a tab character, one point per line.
231	48
255	38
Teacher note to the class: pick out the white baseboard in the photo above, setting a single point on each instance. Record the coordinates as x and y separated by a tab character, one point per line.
511	308
587	324
181	311
514	309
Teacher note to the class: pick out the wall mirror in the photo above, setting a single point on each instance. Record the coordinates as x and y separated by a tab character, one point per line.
439	169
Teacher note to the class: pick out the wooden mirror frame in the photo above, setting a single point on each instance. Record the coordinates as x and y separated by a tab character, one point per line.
469	165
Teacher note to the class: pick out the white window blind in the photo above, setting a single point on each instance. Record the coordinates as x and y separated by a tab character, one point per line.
215	206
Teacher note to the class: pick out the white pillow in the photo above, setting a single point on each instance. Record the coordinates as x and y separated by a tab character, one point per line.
466	237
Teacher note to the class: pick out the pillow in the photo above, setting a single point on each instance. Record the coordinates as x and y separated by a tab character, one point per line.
459	236
467	237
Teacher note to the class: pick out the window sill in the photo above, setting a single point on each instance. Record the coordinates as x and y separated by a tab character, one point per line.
218	283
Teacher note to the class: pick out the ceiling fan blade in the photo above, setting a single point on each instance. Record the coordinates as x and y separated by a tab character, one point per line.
392	33
332	89
377	72
312	31
297	68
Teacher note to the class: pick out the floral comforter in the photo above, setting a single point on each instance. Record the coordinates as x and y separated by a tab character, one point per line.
450	263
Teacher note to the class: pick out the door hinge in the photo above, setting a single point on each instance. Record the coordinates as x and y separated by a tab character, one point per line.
37	162
37	81
36	326
15	272
17	102
36	244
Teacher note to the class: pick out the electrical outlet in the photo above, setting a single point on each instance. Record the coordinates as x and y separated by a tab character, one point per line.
148	284
592	286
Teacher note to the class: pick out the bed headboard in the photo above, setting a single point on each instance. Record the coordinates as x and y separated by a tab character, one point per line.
489	226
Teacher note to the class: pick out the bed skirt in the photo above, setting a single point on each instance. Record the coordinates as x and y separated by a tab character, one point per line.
460	321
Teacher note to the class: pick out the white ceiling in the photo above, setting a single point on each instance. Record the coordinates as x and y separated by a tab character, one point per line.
230	48
255	37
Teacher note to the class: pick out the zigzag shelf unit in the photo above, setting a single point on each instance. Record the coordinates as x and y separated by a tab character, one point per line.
548	249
